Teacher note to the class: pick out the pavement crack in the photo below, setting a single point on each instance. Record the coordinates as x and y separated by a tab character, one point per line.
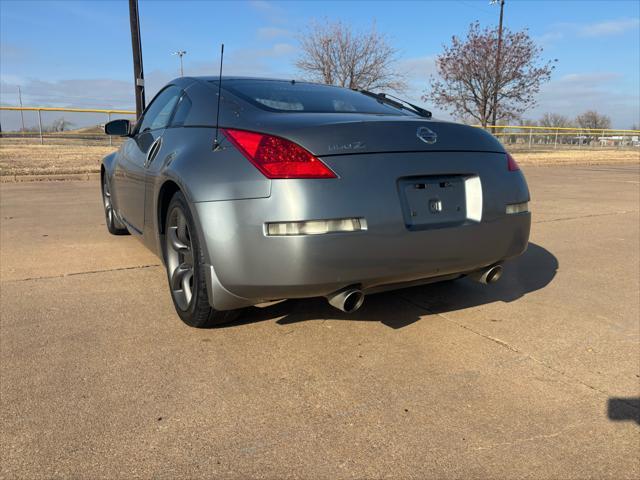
524	440
502	343
74	274
577	217
512	348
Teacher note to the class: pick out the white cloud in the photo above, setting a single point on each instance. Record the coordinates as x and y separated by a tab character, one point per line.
273	12
80	93
261	5
609	27
280	49
569	95
418	68
269	33
7	79
275	61
550	37
583	79
575	93
560	31
417	71
87	93
13	52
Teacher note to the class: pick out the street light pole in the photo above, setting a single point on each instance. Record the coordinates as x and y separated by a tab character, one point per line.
180	53
497	75
138	73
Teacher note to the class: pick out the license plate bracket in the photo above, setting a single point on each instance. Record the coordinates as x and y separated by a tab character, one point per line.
433	201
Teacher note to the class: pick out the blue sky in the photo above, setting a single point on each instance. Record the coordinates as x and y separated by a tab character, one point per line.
74	53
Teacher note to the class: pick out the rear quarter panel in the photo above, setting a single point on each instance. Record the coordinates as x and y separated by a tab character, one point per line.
207	175
187	158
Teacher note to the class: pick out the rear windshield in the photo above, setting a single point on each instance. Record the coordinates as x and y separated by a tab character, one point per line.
284	96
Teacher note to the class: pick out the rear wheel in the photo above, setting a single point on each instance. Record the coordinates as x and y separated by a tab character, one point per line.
114	225
184	260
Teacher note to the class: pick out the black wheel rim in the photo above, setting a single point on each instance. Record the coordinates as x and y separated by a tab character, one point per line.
180	258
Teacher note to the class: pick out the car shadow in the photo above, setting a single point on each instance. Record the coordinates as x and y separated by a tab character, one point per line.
532	271
621	409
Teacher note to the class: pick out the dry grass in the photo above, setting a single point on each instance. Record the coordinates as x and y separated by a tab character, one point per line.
578	157
19	158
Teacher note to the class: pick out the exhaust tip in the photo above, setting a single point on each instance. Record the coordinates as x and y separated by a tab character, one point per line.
353	301
494	274
487	275
347	300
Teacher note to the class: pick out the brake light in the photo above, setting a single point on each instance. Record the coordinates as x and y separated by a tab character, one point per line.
512	165
276	157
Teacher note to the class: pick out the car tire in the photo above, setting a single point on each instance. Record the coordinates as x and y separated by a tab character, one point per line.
185	265
114	224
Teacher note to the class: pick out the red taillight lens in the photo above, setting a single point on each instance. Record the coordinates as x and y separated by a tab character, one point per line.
276	157
512	165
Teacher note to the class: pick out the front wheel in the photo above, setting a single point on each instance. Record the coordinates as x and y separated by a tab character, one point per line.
184	260
114	225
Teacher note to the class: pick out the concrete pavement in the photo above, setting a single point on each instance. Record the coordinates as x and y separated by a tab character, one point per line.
537	376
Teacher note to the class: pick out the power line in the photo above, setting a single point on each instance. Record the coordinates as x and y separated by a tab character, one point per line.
477	7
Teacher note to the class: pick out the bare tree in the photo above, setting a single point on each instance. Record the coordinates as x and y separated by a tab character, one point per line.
554	120
466	75
59	125
332	53
594	120
525	122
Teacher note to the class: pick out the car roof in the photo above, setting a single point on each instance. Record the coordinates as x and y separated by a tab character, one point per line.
232	78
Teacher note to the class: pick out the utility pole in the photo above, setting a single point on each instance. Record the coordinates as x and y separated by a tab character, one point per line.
180	53
136	46
497	76
21	111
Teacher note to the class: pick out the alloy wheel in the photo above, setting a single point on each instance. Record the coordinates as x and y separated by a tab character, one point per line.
180	262
106	197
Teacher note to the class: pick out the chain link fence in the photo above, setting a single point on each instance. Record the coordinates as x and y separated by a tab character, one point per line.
531	138
52	125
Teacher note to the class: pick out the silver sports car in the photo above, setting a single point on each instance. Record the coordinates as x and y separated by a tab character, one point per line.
303	190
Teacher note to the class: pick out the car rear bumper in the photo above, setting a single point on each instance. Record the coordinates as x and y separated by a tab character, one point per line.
249	266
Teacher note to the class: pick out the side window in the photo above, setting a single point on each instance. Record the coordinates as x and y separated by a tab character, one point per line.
159	112
182	110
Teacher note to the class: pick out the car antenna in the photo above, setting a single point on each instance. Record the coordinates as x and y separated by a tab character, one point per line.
216	142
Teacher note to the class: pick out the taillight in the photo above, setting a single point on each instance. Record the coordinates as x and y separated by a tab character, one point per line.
276	157
512	165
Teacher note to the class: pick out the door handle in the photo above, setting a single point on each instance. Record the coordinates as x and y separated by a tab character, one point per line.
153	151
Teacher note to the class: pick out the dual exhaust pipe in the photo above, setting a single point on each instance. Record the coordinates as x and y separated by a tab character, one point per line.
487	275
347	300
350	299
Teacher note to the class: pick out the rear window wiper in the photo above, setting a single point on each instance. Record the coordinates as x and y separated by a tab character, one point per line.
397	102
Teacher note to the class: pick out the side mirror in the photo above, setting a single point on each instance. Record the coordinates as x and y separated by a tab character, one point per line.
118	128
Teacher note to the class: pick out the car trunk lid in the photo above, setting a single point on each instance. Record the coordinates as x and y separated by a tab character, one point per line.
347	134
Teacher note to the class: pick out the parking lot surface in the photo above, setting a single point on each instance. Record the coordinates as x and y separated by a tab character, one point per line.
537	376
